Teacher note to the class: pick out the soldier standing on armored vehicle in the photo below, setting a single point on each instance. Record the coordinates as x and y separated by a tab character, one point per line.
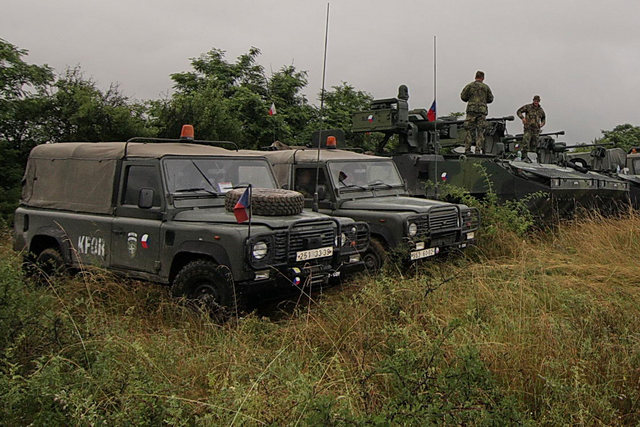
477	95
533	120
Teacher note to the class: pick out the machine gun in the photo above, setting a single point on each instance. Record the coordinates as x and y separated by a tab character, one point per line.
416	134
520	136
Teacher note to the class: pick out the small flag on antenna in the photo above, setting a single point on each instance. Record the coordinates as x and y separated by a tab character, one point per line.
272	110
242	208
431	114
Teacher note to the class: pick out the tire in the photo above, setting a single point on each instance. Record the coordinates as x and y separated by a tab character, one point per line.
268	201
208	285
375	256
48	264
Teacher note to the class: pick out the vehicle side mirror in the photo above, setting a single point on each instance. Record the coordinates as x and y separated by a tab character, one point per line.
322	192
145	198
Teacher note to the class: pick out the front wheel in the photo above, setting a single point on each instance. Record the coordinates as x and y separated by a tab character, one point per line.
374	257
207	284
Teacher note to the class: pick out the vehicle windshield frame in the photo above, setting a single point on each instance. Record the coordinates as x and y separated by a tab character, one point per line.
367	187
221	187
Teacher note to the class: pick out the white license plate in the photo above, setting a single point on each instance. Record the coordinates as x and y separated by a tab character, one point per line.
423	253
470	236
314	253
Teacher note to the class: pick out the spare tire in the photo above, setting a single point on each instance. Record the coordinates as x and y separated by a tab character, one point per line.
268	201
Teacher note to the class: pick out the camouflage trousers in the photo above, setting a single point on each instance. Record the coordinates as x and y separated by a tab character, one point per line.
530	139
475	125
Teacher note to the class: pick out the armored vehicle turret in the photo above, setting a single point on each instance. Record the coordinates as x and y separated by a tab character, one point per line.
429	151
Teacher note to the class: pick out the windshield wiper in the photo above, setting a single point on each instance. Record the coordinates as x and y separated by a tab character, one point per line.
378	182
351	186
189	190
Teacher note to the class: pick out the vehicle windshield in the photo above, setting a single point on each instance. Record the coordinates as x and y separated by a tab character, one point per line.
216	175
365	174
636	167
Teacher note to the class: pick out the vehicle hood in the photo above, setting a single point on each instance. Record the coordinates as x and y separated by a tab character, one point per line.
393	204
221	216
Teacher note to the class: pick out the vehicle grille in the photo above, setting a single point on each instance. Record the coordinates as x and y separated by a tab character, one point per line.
303	237
441	219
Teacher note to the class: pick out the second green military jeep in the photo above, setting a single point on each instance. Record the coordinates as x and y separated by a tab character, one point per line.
370	189
156	211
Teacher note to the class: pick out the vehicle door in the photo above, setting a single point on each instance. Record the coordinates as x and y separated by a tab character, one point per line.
304	181
136	227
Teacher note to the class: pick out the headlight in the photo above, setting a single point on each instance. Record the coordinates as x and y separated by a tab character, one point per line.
341	240
260	250
413	229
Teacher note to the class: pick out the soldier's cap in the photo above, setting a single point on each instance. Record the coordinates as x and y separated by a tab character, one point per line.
536	98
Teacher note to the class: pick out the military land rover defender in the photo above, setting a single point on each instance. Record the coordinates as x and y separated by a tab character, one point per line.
156	211
370	188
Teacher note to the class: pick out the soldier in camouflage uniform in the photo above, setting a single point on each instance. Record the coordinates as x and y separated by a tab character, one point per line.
533	118
477	95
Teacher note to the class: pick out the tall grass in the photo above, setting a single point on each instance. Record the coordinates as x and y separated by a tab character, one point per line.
526	329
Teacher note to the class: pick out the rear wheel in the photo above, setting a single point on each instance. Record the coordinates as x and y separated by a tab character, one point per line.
48	264
375	256
208	285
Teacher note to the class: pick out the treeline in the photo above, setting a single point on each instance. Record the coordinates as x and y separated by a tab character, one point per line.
224	100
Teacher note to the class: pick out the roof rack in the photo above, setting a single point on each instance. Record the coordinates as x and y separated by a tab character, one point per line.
188	141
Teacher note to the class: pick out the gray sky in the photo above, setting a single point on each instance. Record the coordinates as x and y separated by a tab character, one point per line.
582	58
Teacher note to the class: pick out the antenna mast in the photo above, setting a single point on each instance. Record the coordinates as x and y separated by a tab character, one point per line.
324	70
436	148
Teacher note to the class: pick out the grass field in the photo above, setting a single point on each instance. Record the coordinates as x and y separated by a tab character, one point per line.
540	329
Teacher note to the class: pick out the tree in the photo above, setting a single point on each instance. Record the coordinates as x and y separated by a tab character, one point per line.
80	111
23	108
23	97
339	105
230	101
624	136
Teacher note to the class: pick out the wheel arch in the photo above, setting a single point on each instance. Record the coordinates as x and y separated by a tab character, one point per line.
191	251
51	238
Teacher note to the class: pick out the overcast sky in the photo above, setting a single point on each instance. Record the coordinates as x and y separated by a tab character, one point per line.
582	58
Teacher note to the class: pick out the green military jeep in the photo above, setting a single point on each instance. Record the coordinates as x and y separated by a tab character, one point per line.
370	188
156	211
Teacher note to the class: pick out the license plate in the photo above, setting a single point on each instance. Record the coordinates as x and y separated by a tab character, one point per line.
470	236
314	253
423	253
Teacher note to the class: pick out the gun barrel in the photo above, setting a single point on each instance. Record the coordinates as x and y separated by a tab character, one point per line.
561	132
602	144
501	119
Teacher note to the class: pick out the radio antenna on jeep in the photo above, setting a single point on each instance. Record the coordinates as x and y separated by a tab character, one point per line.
324	69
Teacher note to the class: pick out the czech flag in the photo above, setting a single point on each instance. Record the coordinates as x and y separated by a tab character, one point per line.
242	208
431	114
272	109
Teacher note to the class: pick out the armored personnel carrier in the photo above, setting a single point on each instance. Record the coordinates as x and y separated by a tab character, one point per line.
613	162
422	159
155	210
370	189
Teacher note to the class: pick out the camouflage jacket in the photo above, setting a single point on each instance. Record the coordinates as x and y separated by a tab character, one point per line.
477	95
535	115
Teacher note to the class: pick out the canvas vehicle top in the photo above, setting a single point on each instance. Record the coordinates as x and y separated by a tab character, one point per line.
157	211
